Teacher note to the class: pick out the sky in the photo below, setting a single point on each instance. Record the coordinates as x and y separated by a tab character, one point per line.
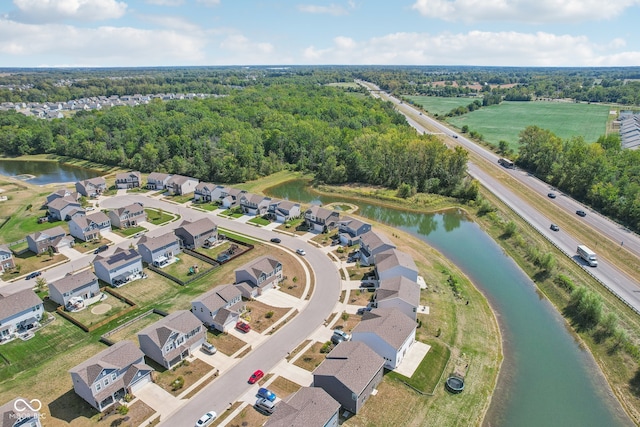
139	33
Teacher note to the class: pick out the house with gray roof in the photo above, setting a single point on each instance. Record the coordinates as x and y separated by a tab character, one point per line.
55	237
157	180
350	229
372	243
400	293
254	204
127	180
91	187
207	192
111	374
258	276
19	312
392	262
349	374
15	413
309	407
159	251
220	308
75	290
124	266
60	208
89	227
388	332
284	210
128	216
171	339
179	185
230	197
197	234
63	192
320	219
7	262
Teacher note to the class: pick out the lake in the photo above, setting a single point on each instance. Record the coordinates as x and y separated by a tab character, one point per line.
45	172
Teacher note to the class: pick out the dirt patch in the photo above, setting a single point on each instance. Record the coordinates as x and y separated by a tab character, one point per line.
101	309
283	387
262	316
248	416
312	358
189	371
360	297
347	322
225	343
138	412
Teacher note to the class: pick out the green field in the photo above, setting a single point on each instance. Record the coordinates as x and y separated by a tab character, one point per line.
440	105
507	120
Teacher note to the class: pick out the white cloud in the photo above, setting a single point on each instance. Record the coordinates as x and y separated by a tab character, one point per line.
535	12
332	9
41	11
209	2
165	2
238	43
472	48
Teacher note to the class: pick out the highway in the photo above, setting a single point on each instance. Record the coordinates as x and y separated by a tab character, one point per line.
626	288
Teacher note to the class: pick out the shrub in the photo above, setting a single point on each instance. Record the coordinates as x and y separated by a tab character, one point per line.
269	314
326	347
510	229
345	316
564	282
177	384
123	410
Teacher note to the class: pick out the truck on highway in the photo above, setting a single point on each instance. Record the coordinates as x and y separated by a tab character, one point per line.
506	163
588	255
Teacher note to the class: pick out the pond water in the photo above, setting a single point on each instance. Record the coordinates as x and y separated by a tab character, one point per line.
547	379
43	172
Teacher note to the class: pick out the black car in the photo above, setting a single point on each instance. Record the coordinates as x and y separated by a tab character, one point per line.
551	195
101	249
554	227
275	240
33	275
581	213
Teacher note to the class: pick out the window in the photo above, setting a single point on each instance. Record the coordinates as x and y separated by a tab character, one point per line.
98	386
106	381
113	376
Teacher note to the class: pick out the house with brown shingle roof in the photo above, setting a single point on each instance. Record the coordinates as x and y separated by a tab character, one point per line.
61	208
19	312
161	250
219	308
63	192
157	180
207	192
230	197
55	237
372	243
321	219
349	374
111	374
284	210
254	204
400	293
258	276
350	229
309	407
388	332
78	287
179	185
91	187
197	234
171	339
128	216
392	262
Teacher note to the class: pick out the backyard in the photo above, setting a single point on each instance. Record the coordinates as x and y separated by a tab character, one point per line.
102	310
186	266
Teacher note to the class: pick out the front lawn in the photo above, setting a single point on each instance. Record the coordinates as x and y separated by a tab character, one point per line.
189	371
259	221
84	247
28	261
126	232
159	217
225	343
210	207
262	316
360	297
296	226
180	199
233	213
312	358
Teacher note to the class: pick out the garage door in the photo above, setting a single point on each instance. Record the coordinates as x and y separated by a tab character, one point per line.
140	383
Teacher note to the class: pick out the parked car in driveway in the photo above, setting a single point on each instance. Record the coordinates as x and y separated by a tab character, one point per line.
256	376
33	275
342	334
101	249
581	213
206	419
301	252
265	393
243	326
207	347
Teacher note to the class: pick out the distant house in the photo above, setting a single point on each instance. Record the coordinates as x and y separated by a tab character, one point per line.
128	180
258	276
89	227
400	293
160	250
309	407
63	192
55	238
284	210
392	263
15	414
6	259
372	243
75	289
111	374
230	197
19	313
349	374
157	180
254	204
120	268
61	209
205	192
219	308
128	216
171	339
388	332
197	234
320	219
91	187
179	185
350	230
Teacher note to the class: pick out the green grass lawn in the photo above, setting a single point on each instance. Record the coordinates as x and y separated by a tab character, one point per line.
180	199
237	237
25	222
206	206
85	247
180	268
159	217
426	377
507	120
440	105
233	213
259	221
126	232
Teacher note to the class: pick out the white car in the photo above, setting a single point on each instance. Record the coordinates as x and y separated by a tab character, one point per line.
301	252
206	419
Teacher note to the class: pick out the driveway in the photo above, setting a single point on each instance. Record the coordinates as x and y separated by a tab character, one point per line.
160	400
277	298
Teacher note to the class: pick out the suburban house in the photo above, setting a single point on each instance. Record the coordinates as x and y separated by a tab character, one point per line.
157	180
349	374
160	250
120	268
284	210
89	227
63	192
320	219
388	332
111	374
230	197
74	291
309	407
350	230
19	313
173	338
128	180
254	204
372	243
91	187
207	192
400	293
6	259
64	208
197	234
129	216
258	276
179	185
392	263
56	238
219	308
14	413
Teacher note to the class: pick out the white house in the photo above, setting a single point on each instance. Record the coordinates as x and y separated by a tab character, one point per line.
120	268
75	290
160	250
89	227
219	308
19	313
91	187
128	180
205	192
320	219
157	180
254	204
284	210
392	262
179	185
6	259
258	276
400	293
128	216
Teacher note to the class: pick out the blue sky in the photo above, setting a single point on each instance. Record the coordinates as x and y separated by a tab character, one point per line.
120	33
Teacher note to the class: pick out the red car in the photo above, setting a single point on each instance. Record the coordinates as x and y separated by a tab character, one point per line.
256	376
244	327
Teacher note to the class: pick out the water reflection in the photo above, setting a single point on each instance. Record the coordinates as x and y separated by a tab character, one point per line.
44	172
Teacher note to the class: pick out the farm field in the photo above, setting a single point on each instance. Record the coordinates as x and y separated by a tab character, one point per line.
507	120
441	105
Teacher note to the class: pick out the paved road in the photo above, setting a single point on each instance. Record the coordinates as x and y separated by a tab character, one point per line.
618	282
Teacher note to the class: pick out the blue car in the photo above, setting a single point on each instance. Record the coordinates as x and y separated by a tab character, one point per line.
265	393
